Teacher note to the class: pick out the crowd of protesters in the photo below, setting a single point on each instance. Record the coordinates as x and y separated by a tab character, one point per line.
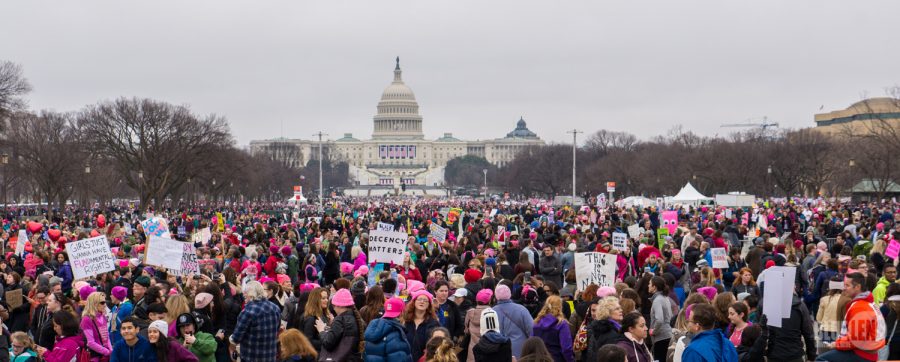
296	284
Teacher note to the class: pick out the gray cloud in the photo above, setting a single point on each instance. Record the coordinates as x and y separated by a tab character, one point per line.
475	66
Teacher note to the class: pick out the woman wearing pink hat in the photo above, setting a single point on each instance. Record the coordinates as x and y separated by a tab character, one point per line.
343	340
419	319
385	336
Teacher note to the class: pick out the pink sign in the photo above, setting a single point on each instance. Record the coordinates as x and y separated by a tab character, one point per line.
893	249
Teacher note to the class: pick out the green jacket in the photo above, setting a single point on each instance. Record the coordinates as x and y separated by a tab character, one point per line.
880	289
204	347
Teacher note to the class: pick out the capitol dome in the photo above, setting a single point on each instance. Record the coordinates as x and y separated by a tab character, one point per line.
398	112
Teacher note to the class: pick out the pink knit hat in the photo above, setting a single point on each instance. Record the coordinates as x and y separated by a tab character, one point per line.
346	268
604	292
502	292
363	270
484	296
709	292
86	291
342	298
421	293
413	286
281	278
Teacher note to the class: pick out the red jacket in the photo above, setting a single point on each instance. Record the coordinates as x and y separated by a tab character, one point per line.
863	328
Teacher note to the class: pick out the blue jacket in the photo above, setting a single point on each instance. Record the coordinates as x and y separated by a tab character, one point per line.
386	341
515	323
710	346
142	351
121	312
65	273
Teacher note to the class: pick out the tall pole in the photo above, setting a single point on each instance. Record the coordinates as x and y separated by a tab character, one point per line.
574	133
321	190
485	184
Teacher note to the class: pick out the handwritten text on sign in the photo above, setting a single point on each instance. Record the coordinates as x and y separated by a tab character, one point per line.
719	257
595	268
387	246
172	254
90	257
439	233
156	226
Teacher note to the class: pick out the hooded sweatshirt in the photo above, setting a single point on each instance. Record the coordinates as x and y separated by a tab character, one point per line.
710	346
863	328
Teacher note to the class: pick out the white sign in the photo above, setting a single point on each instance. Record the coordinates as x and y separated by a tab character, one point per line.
205	235
620	241
719	258
634	231
601	200
439	233
493	212
89	257
387	246
385	227
156	226
20	242
171	254
778	289
595	268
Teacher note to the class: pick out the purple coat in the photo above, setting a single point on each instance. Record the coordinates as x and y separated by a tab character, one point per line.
64	350
556	336
177	353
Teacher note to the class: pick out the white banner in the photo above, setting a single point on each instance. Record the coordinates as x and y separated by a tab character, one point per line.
156	226
620	241
439	233
20	242
385	227
89	257
387	246
719	258
595	268
171	254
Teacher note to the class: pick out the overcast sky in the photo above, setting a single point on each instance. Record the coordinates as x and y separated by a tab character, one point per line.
475	66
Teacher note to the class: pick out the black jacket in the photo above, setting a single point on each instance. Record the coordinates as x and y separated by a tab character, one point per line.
785	343
312	334
418	336
493	347
600	333
551	269
344	329
757	351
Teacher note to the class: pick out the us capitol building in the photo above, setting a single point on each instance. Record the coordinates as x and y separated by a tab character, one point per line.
398	153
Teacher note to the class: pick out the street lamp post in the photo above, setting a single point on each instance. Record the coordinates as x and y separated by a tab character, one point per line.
87	172
485	184
141	189
574	133
4	160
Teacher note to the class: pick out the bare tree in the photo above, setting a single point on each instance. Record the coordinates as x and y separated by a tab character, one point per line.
13	86
872	142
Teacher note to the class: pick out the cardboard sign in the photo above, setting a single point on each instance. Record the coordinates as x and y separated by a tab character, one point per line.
171	254
595	268
439	233
719	258
156	226
777	293
387	246
620	241
634	231
13	298
385	227
89	257
892	250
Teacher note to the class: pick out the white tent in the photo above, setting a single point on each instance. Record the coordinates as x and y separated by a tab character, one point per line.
689	195
638	201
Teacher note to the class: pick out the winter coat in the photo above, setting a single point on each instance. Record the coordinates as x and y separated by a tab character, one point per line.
551	269
65	349
472	327
635	351
712	346
741	288
65	273
204	347
515	323
386	341
97	334
858	338
344	329
28	355
828	316
660	316
880	289
600	333
493	347
556	336
418	335
449	312
309	330
177	353
785	342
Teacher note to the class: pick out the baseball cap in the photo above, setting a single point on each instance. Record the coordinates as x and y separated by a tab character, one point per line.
460	293
393	307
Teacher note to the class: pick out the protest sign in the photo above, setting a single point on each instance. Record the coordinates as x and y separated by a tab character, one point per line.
595	268
156	226
634	231
182	231
387	246
439	233
20	242
196	238
373	274
661	234
493	213
171	254
777	293
205	234
891	252
385	227
719	258
89	257
13	298
220	222
620	241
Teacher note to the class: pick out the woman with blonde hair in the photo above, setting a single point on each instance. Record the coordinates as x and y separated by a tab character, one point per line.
295	347
94	325
551	326
22	348
440	349
176	306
